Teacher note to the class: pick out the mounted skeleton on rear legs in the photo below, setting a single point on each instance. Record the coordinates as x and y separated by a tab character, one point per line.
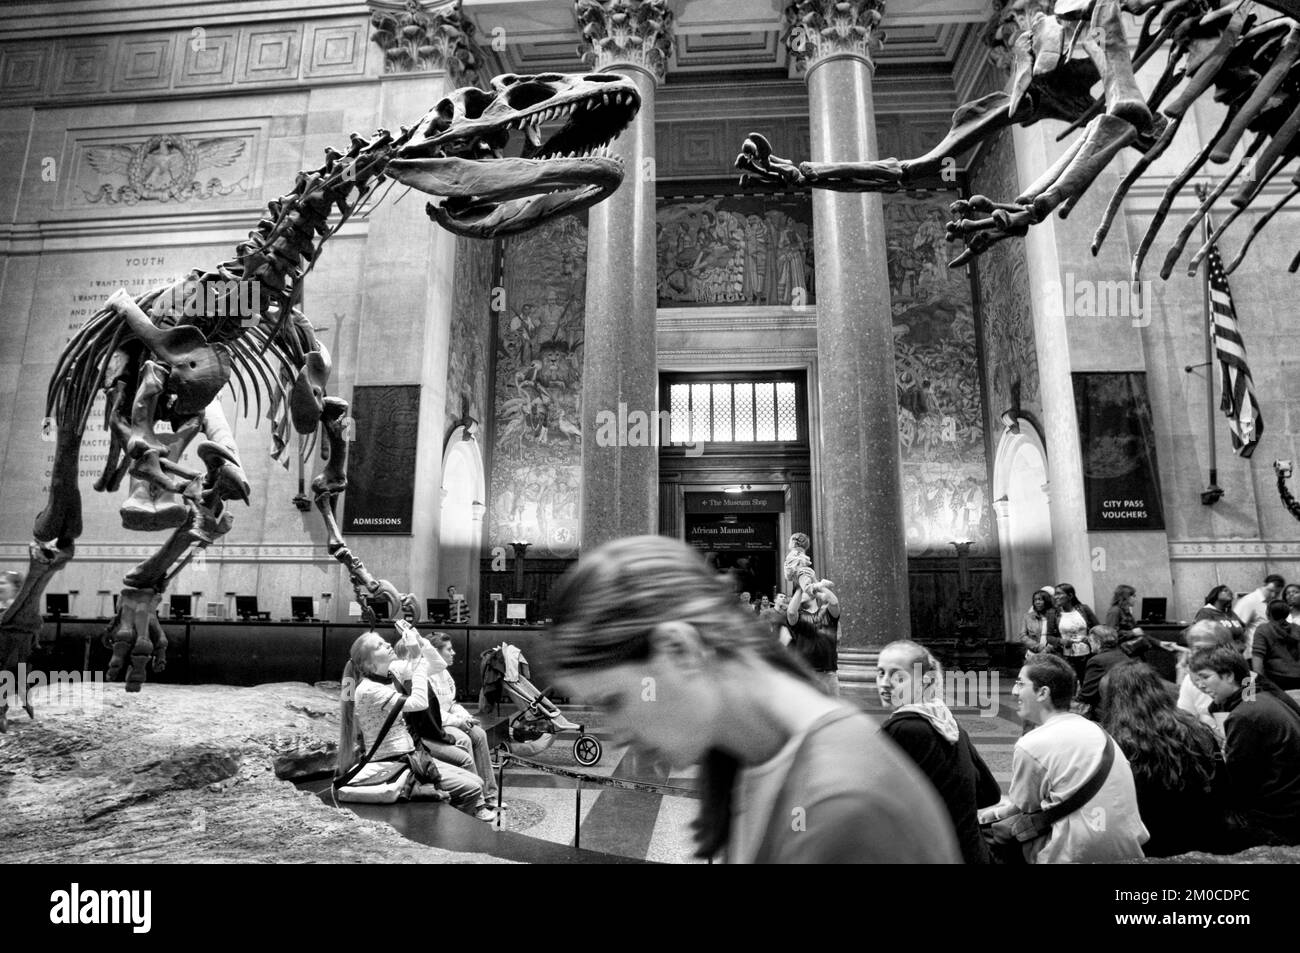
164	357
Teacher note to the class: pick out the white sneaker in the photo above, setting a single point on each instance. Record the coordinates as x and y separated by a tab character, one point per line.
485	813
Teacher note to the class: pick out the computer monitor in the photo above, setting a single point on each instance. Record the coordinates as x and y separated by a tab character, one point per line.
302	608
56	603
379	607
439	610
1154	609
182	607
246	607
517	610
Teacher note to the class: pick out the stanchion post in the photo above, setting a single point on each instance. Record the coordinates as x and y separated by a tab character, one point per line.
577	818
501	783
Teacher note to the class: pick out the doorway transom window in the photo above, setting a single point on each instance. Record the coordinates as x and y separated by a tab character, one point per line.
748	408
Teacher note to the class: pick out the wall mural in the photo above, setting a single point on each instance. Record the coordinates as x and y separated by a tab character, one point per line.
537	442
940	407
753	249
467	364
1005	298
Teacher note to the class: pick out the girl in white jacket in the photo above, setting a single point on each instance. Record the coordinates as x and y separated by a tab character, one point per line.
456	721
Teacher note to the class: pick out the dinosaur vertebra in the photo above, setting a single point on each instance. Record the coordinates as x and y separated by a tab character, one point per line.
166	355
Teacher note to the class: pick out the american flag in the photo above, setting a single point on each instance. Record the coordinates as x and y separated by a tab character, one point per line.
1239	403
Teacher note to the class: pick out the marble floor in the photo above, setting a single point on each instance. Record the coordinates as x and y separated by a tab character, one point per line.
548	819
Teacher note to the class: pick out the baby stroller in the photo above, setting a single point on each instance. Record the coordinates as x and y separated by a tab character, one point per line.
533	727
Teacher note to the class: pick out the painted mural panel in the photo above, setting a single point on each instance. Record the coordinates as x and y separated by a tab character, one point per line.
941	422
537	441
734	250
471	333
1005	302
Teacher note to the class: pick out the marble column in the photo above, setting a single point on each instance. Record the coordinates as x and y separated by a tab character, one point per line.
620	484
1036	149
861	545
406	304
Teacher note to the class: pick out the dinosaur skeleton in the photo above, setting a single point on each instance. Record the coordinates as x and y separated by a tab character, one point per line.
1248	52
165	356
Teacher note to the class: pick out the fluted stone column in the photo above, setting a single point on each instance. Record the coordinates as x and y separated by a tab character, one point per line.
620	484
861	545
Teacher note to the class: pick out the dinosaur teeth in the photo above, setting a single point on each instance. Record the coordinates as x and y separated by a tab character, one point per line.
534	135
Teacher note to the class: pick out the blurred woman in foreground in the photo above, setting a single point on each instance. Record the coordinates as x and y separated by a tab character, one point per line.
644	631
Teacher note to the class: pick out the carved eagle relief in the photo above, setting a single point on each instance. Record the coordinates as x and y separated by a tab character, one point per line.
164	168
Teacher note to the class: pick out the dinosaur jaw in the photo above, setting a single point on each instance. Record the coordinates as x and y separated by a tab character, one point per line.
489	197
458	151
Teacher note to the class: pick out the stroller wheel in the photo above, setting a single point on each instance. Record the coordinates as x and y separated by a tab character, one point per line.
586	750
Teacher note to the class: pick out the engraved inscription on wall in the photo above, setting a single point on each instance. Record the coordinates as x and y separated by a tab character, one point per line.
138	273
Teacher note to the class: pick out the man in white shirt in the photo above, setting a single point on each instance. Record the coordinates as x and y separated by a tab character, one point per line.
1252	608
1060	757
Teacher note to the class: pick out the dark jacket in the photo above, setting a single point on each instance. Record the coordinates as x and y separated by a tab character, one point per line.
1278	645
815	636
1234	625
1188	815
1094	672
958	773
1120	618
1030	633
1263	759
425	725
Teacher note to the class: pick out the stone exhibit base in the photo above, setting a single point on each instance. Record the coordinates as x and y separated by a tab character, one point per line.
183	774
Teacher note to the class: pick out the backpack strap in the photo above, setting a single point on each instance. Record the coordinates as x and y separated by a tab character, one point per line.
1089	789
383	733
1037	823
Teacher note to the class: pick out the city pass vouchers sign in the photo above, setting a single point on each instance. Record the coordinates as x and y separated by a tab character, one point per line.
1120	478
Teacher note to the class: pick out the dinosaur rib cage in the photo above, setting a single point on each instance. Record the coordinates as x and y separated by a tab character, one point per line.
266	353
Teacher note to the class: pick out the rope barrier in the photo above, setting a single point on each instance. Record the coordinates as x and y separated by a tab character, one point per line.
587	778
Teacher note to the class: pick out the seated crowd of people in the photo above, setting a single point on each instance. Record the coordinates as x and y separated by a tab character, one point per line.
1122	757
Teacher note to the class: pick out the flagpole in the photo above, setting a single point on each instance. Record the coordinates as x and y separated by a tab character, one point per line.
1214	492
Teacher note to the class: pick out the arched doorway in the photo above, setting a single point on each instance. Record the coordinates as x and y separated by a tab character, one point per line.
1024	520
461	534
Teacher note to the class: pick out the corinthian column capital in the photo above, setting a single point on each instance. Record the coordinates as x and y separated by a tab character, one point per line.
429	36
815	30
631	32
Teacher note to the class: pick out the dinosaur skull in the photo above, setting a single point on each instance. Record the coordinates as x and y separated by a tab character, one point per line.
458	150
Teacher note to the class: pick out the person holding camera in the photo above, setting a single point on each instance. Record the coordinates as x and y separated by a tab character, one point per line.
814	619
370	693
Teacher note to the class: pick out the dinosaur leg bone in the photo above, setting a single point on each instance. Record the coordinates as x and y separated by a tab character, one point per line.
133	633
331	481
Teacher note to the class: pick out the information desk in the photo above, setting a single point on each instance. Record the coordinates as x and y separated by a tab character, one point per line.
254	653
